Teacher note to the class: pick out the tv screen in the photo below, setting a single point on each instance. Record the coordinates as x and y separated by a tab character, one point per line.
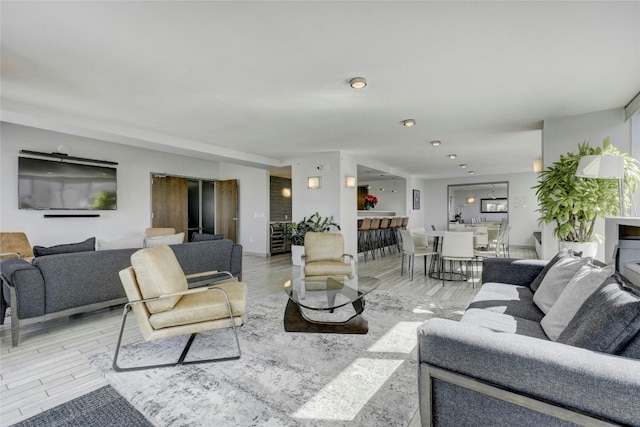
47	184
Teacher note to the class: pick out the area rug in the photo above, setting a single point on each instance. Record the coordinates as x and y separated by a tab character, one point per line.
284	378
101	407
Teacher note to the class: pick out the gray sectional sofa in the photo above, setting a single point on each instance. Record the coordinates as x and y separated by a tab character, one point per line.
498	367
70	283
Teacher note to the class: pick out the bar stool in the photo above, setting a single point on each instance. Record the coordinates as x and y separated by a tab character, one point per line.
363	237
392	235
405	222
373	236
382	234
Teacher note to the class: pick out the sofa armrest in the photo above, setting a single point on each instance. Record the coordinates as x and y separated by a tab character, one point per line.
236	261
512	271
599	384
26	281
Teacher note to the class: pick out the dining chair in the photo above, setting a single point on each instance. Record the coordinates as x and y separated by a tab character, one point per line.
481	237
419	235
411	250
457	247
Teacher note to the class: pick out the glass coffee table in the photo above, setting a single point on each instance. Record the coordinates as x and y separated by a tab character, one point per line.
327	293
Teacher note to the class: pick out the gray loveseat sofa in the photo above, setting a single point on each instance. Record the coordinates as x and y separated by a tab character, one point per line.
497	367
70	283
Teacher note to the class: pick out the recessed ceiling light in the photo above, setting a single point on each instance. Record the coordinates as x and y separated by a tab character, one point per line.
463	166
472	172
409	122
452	156
358	82
436	143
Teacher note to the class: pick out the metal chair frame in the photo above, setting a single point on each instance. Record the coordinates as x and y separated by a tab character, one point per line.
185	351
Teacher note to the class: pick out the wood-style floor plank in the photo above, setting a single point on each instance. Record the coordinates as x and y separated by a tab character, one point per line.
49	366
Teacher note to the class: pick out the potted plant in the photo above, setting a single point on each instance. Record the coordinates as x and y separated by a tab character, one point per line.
370	201
573	204
297	231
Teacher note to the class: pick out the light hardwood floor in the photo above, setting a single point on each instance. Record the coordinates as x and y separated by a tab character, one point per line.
49	366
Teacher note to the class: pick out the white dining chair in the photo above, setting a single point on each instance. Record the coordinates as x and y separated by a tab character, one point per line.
412	251
457	247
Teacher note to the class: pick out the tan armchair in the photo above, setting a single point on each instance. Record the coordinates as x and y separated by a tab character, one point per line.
164	306
15	245
324	256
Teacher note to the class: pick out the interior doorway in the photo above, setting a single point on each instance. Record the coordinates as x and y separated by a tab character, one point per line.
194	205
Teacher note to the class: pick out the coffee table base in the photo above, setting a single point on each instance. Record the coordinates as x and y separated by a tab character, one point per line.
296	321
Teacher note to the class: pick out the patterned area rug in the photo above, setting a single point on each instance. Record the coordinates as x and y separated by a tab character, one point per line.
285	379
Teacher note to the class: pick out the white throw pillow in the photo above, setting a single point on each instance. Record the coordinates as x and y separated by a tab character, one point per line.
135	242
556	279
580	287
171	239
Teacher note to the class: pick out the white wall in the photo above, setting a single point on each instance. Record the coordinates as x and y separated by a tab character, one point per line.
563	135
253	207
134	185
522	203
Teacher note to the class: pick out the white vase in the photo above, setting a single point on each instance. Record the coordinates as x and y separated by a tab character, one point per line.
587	248
296	254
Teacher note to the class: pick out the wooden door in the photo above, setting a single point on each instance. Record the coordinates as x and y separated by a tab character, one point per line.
227	208
169	203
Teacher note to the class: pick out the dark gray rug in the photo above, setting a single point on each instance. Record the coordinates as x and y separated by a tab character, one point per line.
100	408
285	379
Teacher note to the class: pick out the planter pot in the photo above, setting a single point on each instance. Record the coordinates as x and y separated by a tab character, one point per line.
587	248
296	254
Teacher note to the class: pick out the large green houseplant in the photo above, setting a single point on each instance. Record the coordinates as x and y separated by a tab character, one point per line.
297	231
573	204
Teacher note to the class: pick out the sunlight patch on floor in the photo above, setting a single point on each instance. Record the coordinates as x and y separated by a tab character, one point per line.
349	391
402	338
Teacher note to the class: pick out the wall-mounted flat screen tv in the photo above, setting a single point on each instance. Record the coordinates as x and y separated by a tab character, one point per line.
50	184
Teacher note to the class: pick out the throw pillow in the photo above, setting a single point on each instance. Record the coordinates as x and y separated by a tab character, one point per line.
563	253
87	245
129	242
556	279
579	288
172	239
201	237
607	321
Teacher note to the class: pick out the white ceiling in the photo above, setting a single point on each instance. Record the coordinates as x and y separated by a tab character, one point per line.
264	81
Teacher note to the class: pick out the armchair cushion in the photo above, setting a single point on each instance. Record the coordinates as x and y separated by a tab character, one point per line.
203	306
158	272
170	239
327	268
323	247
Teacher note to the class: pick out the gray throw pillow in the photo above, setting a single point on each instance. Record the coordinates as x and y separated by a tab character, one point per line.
563	253
556	280
607	321
580	287
202	237
87	245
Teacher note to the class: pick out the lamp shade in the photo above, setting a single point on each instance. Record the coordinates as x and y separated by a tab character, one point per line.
603	167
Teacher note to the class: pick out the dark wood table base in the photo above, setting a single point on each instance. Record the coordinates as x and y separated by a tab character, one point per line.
296	321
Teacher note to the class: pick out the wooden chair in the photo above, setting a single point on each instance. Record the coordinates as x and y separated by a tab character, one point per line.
165	307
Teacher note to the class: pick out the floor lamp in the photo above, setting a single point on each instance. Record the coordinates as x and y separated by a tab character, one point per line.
604	166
